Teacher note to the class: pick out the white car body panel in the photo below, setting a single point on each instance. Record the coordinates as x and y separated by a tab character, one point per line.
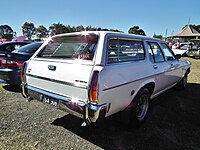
179	51
72	75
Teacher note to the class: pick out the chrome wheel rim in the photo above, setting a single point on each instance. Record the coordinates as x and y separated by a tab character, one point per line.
142	107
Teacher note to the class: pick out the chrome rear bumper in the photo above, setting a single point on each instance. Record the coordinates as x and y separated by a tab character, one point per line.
87	111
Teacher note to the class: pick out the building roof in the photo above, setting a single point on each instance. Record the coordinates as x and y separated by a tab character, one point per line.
188	31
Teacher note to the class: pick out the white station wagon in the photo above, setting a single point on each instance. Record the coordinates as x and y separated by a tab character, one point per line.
95	74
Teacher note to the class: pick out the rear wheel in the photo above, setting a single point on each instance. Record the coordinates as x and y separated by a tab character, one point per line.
183	83
184	54
140	107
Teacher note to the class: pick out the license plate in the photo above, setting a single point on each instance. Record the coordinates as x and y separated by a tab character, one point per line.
51	101
191	55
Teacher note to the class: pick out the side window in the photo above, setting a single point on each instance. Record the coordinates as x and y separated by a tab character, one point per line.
120	50
13	46
167	51
155	53
10	47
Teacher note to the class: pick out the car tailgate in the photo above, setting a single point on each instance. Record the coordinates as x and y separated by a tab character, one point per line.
62	78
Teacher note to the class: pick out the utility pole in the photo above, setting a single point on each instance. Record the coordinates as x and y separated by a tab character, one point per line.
166	34
189	21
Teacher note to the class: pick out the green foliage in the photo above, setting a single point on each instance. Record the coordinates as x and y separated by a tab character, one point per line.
158	36
80	28
58	28
6	32
115	30
136	30
41	32
28	29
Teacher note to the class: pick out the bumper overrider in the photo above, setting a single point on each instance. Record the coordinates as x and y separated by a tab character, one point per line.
87	111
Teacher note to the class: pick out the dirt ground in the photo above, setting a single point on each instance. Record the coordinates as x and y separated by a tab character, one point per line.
173	124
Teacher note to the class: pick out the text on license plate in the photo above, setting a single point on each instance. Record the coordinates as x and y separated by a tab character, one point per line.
50	101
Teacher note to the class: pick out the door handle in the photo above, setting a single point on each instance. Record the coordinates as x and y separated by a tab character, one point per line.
51	67
155	67
172	67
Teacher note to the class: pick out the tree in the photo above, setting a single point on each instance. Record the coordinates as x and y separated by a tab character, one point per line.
136	30
80	28
58	28
6	32
28	29
72	29
158	36
41	32
116	30
90	28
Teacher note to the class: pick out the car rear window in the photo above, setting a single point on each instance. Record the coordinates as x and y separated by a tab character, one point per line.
30	48
71	47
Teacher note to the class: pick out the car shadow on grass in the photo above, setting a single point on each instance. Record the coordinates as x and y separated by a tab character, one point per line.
12	88
173	123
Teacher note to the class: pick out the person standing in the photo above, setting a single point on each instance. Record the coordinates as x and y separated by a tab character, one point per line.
170	44
178	44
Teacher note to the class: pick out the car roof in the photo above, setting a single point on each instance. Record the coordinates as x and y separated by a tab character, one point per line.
104	33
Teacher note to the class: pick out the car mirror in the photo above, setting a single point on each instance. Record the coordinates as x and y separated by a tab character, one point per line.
178	56
169	58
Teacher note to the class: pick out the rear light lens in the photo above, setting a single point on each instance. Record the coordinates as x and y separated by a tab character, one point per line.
94	88
23	77
10	63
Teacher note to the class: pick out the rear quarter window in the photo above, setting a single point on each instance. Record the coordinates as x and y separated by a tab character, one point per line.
122	50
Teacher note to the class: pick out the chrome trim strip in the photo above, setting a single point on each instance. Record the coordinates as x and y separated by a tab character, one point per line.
127	83
58	81
97	107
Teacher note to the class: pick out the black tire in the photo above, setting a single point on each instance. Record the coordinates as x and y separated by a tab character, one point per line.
184	55
183	83
140	107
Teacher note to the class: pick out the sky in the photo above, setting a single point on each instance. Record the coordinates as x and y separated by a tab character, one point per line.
160	17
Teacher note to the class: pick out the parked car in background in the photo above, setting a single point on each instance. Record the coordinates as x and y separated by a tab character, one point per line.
11	66
94	75
20	38
3	40
184	47
7	47
193	53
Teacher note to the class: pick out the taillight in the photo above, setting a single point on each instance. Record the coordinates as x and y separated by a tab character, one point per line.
23	78
94	88
6	63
